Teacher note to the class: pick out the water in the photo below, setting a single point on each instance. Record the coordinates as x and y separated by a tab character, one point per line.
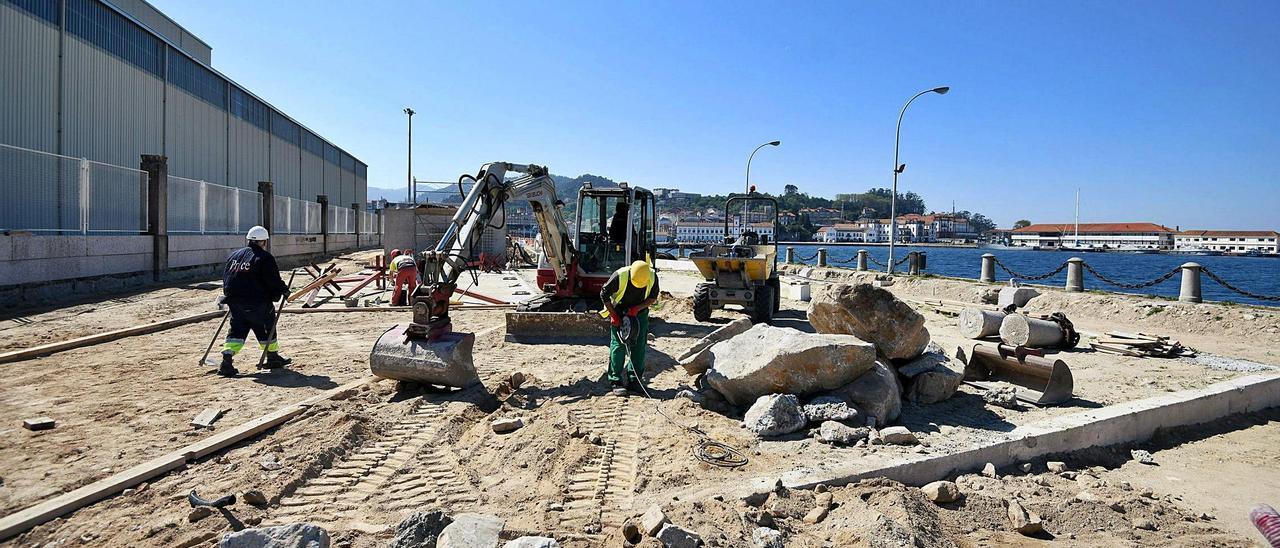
1254	274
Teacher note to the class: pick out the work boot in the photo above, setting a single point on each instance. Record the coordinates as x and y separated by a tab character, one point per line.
226	369
617	388
635	387
275	361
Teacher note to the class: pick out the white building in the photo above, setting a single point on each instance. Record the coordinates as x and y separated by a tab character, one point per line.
1228	241
1095	235
702	231
842	232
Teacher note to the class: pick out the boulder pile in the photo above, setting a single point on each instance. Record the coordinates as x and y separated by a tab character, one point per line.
870	352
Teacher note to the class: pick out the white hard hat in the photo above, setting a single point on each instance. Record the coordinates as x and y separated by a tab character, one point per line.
258	234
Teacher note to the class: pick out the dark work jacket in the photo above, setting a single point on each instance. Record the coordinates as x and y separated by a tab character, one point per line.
251	276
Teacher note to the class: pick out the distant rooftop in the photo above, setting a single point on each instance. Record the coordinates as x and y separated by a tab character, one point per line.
1094	228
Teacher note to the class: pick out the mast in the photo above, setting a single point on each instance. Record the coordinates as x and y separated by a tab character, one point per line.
1077	244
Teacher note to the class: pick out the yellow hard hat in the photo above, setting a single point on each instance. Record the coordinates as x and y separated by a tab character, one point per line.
640	274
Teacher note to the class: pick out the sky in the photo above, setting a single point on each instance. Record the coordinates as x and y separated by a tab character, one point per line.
1158	111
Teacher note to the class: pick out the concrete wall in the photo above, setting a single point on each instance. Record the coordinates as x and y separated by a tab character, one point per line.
37	259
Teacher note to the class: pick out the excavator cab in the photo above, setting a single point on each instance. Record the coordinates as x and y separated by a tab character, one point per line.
615	226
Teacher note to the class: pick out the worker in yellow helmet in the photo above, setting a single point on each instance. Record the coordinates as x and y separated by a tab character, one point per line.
627	297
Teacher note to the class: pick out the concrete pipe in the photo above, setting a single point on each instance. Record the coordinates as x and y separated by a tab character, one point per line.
976	323
1022	330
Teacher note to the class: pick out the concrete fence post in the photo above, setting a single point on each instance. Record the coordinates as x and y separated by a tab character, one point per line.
862	260
324	223
355	222
1190	291
1075	274
988	268
913	263
822	256
268	219
157	169
791	254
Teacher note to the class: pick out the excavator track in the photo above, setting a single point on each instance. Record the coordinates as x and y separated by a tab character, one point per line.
599	494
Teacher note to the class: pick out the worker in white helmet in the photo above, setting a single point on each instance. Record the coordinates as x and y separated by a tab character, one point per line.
250	284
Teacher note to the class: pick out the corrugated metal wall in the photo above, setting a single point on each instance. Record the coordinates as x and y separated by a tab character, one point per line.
115	105
151	17
28	80
195	138
250	161
111	111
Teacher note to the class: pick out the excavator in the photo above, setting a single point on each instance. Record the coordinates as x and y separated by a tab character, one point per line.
572	270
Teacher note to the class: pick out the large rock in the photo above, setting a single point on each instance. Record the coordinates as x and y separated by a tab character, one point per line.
294	535
697	359
836	433
877	393
673	536
871	314
775	360
930	379
471	531
420	529
827	408
775	415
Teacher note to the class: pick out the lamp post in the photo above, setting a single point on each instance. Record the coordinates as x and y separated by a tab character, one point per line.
409	175
897	168
753	155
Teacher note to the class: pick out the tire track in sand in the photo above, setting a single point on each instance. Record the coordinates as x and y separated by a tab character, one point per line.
599	494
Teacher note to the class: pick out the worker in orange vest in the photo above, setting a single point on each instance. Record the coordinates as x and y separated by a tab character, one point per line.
404	272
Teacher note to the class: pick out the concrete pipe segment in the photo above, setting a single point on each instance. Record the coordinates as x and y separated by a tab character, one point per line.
976	323
1022	330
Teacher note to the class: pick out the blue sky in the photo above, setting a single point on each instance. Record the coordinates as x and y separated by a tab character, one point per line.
1157	111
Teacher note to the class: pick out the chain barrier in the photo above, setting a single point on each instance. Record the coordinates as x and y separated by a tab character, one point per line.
842	261
1142	285
902	260
1224	283
809	258
873	261
1019	276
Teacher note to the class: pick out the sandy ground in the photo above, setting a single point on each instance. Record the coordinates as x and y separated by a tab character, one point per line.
584	463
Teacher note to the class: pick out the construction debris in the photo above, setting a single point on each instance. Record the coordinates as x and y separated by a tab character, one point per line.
829	408
898	435
976	323
941	492
1023	521
1140	345
1042	381
503	426
207	417
1053	331
1003	396
930	379
774	415
836	433
296	535
1015	296
871	314
653	520
38	423
877	393
420	529
470	530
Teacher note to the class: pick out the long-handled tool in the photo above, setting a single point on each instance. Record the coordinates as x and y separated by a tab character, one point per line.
263	358
205	359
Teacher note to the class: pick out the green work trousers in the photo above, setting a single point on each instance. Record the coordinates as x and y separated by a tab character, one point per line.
618	350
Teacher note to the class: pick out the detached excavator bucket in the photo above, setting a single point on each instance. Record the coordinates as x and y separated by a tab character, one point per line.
445	361
534	327
1042	381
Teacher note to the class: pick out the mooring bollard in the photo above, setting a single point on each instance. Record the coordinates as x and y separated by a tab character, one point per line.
1075	274
913	263
1190	291
923	257
681	246
862	260
791	255
822	256
988	268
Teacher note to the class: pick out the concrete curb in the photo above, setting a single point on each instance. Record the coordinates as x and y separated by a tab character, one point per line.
1126	423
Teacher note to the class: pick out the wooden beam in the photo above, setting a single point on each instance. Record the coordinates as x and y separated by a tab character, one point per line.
315	284
63	504
46	349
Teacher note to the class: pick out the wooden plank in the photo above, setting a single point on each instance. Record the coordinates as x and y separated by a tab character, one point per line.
315	284
207	417
20	521
46	349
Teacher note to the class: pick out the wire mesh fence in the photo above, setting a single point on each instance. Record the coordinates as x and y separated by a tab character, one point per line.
341	220
294	216
47	192
201	207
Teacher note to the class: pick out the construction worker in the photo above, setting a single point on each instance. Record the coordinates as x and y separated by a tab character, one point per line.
404	273
251	285
627	297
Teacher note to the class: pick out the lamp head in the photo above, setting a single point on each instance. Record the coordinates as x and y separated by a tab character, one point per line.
942	90
775	143
409	111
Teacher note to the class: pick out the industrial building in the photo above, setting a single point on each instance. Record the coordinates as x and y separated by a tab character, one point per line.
88	88
109	81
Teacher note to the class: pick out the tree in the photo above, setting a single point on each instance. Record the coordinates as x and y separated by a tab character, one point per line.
790	190
981	224
1021	223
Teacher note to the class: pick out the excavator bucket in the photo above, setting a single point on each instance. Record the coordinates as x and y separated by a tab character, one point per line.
534	327
445	361
1041	380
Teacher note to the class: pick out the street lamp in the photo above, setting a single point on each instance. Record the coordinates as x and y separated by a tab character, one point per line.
753	155
897	168
409	176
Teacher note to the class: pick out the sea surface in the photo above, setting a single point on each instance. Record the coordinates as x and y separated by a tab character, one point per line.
1259	275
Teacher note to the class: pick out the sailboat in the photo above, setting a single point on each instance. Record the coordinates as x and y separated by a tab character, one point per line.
1075	244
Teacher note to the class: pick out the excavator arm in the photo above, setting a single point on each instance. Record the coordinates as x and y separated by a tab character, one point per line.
455	253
